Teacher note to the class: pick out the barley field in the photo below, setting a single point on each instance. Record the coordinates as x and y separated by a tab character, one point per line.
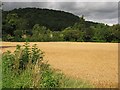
96	63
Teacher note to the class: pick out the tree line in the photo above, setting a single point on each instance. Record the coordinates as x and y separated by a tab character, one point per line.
44	25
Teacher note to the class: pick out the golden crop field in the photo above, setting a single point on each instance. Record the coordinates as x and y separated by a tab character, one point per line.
96	63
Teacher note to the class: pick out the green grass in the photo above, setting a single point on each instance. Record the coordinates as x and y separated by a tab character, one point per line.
26	68
70	82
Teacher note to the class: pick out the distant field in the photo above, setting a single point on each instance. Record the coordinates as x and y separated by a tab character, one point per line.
94	62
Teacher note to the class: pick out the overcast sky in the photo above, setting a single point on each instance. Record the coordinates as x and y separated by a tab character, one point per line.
104	12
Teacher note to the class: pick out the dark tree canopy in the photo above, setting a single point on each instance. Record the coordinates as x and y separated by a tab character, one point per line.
53	19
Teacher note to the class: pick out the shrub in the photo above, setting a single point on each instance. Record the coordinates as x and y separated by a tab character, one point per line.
26	68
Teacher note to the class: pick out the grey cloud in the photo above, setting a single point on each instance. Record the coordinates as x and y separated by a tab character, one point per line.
12	5
101	11
97	9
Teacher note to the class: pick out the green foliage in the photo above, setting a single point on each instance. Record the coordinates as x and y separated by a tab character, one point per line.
70	82
39	33
71	35
55	20
21	68
12	19
9	37
57	36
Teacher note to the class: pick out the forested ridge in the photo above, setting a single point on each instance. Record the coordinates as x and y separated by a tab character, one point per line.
35	24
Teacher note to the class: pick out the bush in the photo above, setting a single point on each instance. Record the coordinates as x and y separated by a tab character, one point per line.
26	68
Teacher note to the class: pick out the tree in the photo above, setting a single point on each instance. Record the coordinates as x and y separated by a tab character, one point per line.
71	35
12	19
82	19
9	25
38	32
115	33
57	36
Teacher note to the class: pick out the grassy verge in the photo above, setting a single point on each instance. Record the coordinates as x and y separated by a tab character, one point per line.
26	68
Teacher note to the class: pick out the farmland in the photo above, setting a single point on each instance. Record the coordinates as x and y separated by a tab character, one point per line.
96	63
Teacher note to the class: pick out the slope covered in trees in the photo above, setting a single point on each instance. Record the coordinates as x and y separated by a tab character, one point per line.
34	24
53	19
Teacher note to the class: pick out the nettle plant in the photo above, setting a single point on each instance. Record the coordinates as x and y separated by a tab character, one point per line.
25	67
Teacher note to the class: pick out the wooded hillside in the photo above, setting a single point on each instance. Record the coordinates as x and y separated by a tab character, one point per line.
35	24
